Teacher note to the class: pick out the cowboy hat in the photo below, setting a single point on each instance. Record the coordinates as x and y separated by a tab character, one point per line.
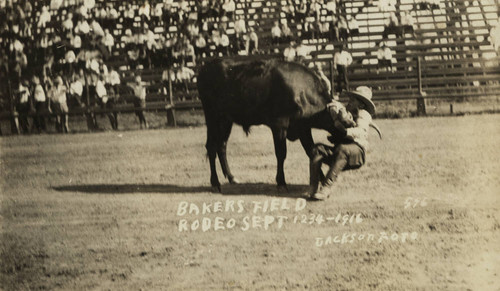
363	94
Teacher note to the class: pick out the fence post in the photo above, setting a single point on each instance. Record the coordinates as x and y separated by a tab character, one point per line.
332	79
170	107
420	100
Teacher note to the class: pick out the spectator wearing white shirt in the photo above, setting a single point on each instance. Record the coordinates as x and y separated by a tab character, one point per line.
353	25
290	53
44	17
286	32
276	33
67	24
384	57
140	100
96	28
407	22
108	40
303	51
200	46
40	105
145	12
252	43
185	75
60	97
342	59
495	36
23	105
224	43
228	9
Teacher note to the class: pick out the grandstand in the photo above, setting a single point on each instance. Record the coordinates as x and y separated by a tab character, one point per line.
444	51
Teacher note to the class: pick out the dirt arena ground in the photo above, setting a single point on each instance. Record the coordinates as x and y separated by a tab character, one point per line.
133	211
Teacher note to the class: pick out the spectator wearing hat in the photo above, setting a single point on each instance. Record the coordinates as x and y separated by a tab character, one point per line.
139	100
60	96
252	42
350	143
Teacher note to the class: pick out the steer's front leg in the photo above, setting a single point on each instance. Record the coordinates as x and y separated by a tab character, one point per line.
279	136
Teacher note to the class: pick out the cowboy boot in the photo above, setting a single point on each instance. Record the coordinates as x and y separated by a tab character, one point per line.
325	190
316	175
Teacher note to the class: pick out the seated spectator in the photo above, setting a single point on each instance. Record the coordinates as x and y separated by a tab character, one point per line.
96	28
343	29
290	53
407	22
384	57
228	9
44	17
315	9
289	10
301	11
387	5
108	41
67	24
82	28
353	25
495	36
145	12
185	75
156	14
331	7
303	51
128	17
276	33
200	46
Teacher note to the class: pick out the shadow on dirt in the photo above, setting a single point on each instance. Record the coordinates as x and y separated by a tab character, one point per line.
294	191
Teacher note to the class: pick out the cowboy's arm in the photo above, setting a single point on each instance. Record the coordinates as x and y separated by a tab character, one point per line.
360	131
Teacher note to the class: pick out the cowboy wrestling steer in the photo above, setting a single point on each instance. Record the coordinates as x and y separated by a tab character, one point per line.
287	97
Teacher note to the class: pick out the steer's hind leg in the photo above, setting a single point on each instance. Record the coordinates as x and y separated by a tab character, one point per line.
224	132
211	146
279	136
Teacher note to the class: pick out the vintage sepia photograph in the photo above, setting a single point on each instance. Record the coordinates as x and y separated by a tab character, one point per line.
250	145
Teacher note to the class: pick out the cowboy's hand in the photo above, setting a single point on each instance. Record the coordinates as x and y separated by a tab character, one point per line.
346	118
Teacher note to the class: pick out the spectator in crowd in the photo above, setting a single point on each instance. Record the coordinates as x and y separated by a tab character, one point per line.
391	26
319	70
495	36
140	101
301	11
341	60
343	29
351	144
407	22
331	7
44	18
200	46
106	102
40	105
252	42
23	105
289	10
128	17
303	51
353	26
384	57
223	43
185	75
62	106
145	12
286	32
108	41
228	9
276	33
290	53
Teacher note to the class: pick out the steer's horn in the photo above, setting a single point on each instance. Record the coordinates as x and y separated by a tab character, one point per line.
377	129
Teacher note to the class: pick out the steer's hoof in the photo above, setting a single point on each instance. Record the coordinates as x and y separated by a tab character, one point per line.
282	189
216	189
234	181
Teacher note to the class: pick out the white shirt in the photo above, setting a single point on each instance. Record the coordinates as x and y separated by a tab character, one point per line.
289	54
39	93
25	94
100	89
344	58
276	31
113	78
359	133
76	88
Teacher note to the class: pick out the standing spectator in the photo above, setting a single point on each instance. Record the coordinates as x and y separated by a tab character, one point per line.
185	75
60	96
290	53
495	36
140	100
289	10
40	105
145	12
23	106
331	7
128	17
276	33
108	41
286	32
342	59
353	25
252	43
301	11
224	43
343	29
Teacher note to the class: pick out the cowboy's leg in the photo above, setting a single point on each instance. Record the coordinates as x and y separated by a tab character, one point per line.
319	153
345	156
